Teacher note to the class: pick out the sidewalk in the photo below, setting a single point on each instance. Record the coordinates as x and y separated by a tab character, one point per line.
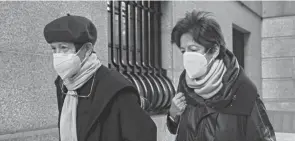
285	136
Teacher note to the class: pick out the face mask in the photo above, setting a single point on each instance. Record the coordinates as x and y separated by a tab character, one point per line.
195	64
66	65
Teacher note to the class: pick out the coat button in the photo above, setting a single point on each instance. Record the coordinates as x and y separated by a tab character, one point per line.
235	97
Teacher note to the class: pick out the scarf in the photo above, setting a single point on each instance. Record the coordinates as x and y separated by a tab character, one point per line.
211	84
68	128
228	79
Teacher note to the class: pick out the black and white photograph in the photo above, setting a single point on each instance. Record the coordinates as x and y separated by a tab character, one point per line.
147	70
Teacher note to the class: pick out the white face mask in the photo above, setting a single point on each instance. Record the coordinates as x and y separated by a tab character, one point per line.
195	64
66	65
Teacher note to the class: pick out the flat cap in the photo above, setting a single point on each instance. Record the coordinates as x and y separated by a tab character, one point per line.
70	28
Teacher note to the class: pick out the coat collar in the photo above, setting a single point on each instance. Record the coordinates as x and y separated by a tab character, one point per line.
243	95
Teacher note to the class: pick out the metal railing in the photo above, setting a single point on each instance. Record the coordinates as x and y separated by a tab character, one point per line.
135	51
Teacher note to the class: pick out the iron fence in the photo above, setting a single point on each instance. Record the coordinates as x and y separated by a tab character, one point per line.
135	51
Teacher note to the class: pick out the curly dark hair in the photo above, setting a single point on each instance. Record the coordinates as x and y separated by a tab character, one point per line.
204	29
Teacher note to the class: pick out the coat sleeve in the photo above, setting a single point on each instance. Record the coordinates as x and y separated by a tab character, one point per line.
172	124
136	124
261	121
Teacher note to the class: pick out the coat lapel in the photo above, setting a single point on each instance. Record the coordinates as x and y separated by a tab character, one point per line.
244	96
106	89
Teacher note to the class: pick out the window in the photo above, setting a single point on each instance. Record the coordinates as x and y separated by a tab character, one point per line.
238	46
135	51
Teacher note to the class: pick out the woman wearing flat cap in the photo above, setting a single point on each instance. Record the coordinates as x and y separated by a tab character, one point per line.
216	100
94	103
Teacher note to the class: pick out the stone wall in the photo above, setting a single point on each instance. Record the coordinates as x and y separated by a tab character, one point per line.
278	54
28	105
278	61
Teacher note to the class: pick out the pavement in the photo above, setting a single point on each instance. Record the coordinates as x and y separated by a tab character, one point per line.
285	136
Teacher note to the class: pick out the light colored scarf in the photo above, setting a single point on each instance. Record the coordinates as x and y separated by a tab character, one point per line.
210	85
68	128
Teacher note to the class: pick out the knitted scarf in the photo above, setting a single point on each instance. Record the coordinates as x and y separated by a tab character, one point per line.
68	129
228	79
209	85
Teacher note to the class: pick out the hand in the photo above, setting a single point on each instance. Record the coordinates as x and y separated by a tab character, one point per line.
178	105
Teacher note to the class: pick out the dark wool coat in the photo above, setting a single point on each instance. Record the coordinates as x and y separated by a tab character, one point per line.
112	112
235	113
242	118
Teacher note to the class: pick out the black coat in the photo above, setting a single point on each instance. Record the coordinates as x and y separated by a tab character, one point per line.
112	112
242	118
